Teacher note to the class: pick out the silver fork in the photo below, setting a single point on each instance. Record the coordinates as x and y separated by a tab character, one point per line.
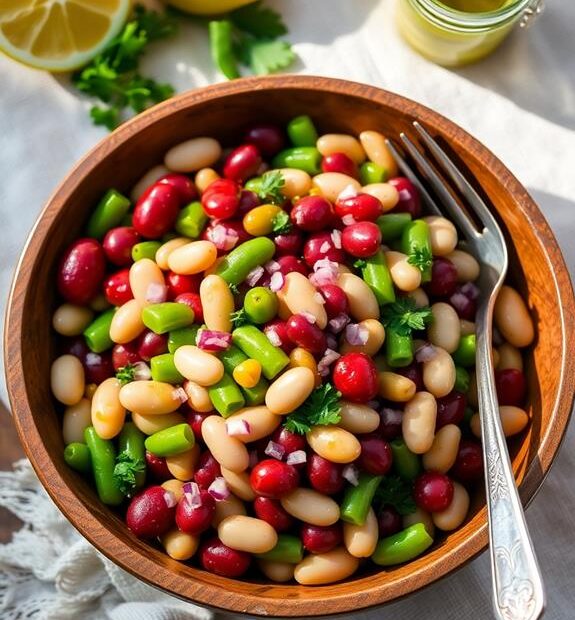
518	591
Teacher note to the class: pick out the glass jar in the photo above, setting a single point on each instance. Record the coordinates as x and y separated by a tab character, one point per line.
451	37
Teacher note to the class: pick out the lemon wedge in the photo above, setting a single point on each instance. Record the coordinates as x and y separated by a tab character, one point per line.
208	7
59	35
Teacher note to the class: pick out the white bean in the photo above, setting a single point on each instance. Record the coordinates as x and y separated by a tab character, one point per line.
439	373
418	423
331	184
334	443
378	152
146	278
512	318
341	143
454	515
247	534
193	155
290	390
67	379
279	572
198	365
509	357
228	451
362	301
155	173
442	235
150	397
76	418
127	322
71	320
321	568
108	413
361	540
166	249
239	484
299	295
226	508
405	276
466	265
444	330
357	418
310	506
262	422
443	452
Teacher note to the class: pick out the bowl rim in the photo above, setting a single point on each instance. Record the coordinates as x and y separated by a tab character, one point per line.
131	559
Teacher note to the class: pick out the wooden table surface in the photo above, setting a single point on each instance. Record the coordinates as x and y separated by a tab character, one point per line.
10	451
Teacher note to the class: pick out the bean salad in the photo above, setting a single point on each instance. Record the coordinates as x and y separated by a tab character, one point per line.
266	357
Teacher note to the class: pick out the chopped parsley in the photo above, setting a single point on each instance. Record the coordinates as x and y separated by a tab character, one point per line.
403	316
271	187
420	258
239	318
322	407
396	492
125	472
125	374
281	223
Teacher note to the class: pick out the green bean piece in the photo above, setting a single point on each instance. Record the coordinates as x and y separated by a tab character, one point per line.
163	369
398	349
145	249
130	469
179	337
222	48
108	214
233	357
370	172
254	184
288	549
306	158
191	220
255	395
462	380
391	225
171	441
226	396
405	463
415	242
103	456
301	131
165	317
403	546
357	499
77	456
377	276
464	355
235	267
255	344
260	304
97	334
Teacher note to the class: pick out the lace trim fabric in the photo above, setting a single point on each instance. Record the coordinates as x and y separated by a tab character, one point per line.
49	572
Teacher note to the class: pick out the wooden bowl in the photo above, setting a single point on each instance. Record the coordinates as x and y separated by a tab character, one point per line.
224	111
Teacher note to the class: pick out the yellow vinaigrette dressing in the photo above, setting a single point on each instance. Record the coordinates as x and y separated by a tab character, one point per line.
457	32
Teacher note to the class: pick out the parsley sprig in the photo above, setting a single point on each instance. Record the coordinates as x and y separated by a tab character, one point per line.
271	187
125	374
125	472
397	492
239	318
420	258
403	316
281	223
322	407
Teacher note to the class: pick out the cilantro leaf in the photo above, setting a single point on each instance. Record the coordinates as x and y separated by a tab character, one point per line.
403	316
281	223
259	21
239	318
420	258
322	407
396	492
360	263
266	56
125	374
125	472
108	117
271	187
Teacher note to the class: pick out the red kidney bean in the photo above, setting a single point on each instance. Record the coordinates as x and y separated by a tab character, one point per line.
222	186
311	213
292	263
325	476
81	271
150	344
362	239
433	491
208	469
248	200
468	466
268	138
376	456
389	521
443	278
321	538
98	367
156	211
220	559
195	519
232	229
290	442
320	245
117	288
511	386
157	466
339	162
276	331
242	163
288	243
221	199
179	284
148	514
363	207
465	306
335	300
118	244
124	354
195	420
415	373
184	186
409	200
390	423
305	334
355	376
193	301
450	409
274	479
272	512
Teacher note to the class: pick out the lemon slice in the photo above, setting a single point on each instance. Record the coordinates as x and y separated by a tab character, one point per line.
59	35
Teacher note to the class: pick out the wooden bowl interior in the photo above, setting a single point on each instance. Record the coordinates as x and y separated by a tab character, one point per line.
223	112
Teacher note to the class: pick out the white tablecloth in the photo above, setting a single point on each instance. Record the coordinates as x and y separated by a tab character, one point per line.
520	103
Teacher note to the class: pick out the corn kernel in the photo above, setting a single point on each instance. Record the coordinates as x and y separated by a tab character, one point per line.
248	373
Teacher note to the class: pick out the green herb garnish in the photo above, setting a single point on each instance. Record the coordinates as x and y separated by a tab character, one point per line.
281	223
125	374
396	492
239	318
322	407
360	263
420	258
271	187
403	316
125	472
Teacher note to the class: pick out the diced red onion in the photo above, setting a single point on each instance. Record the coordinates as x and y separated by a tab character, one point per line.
319	298
338	322
325	247
299	217
336	238
356	335
254	458
219	489
308	316
348	219
142	372
237	426
272	266
211	340
404	194
156	293
275	450
459	300
471	290
223	238
297	457
274	337
192	494
348	191
277	281
325	272
329	357
180	394
425	353
254	275
351	474
170	499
